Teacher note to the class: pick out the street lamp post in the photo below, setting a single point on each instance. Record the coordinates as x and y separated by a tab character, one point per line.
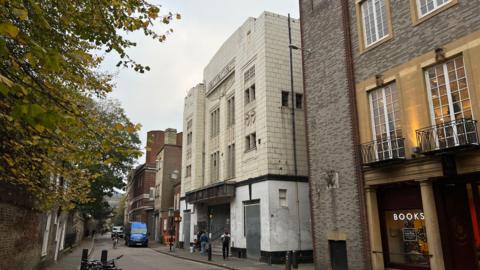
170	218
292	47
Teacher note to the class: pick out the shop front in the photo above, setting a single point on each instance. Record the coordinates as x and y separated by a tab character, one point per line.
403	231
458	206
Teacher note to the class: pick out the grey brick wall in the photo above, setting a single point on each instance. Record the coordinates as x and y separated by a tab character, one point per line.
411	41
330	130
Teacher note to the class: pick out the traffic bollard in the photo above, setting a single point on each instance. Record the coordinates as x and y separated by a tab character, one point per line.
83	263
104	257
288	262
294	260
209	251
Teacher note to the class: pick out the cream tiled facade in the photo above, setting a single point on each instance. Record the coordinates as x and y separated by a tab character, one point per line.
241	134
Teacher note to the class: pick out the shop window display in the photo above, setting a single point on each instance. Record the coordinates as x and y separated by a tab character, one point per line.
406	237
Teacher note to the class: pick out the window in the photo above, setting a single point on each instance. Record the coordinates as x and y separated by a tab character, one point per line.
215	166
231	111
449	101
374	19
404	234
251	142
189	138
189	124
188	172
426	7
215	122
282	198
249	74
231	161
157	191
386	127
284	99
448	91
298	101
250	94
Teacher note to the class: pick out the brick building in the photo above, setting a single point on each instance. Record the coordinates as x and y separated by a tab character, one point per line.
141	183
168	165
403	82
238	168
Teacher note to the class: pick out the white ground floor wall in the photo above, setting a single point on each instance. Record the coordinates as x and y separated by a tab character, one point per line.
281	226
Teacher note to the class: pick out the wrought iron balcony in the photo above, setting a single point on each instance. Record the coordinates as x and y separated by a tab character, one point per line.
381	151
448	136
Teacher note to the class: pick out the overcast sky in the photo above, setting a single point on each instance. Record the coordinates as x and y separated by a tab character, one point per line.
155	99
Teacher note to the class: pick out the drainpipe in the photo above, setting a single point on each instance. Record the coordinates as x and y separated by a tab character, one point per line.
350	74
294	139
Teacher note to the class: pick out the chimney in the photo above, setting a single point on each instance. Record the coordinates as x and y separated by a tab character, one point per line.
171	136
155	139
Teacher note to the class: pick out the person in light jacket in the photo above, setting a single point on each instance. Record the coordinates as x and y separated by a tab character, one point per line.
203	243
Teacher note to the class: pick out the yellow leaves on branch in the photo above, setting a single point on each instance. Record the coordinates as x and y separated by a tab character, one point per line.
9	30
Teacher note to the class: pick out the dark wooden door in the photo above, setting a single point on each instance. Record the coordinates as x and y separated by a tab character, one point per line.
456	224
338	255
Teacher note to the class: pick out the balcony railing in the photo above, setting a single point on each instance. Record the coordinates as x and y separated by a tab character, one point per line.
443	137
379	151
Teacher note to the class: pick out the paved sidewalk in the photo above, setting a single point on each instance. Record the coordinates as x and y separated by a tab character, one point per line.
71	259
232	263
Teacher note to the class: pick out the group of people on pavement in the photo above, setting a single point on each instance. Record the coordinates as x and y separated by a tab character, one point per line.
202	242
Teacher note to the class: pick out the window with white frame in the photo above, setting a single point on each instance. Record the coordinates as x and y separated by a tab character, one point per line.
282	198
188	171
385	118
374	18
449	101
426	7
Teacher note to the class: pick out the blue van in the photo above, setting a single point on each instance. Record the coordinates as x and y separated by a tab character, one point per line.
136	234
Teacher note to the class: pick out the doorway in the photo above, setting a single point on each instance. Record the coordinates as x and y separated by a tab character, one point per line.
186	230
458	212
252	230
218	220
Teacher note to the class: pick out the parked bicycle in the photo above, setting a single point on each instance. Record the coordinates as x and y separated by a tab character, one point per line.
98	265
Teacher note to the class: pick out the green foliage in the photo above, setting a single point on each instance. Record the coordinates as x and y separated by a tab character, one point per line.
50	125
119	212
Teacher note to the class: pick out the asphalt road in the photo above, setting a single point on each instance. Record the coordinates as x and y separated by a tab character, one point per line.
140	258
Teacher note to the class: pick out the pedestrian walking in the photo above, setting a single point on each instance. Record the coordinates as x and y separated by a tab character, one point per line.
203	243
225	244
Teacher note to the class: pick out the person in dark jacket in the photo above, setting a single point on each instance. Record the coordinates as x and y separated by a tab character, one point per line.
225	244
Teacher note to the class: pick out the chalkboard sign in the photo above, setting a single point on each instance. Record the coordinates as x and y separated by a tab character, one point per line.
409	234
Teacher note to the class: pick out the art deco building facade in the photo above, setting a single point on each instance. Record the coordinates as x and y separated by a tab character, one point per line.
238	170
408	72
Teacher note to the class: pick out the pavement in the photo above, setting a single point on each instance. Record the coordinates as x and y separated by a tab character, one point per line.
232	263
70	259
156	257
